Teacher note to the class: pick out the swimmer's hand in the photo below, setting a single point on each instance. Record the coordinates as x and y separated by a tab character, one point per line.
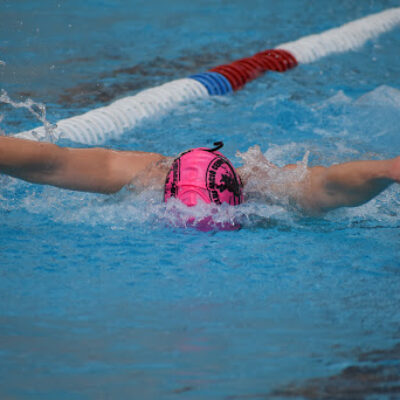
96	170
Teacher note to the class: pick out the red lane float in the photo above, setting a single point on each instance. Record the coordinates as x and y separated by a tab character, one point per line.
244	70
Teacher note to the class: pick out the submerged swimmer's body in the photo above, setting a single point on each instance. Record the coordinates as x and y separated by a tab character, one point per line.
318	190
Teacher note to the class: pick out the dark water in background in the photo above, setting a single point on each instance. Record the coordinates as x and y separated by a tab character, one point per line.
101	298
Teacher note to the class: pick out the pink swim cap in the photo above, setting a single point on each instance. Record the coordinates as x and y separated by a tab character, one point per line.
203	174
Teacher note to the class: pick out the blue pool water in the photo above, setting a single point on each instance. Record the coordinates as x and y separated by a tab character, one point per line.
101	298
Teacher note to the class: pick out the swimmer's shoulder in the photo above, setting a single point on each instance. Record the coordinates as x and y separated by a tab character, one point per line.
142	169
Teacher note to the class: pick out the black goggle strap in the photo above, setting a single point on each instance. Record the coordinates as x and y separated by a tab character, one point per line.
218	145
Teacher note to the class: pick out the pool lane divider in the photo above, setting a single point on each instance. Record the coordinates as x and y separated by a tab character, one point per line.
98	125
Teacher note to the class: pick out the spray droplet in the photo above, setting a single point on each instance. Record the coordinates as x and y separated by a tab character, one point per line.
36	109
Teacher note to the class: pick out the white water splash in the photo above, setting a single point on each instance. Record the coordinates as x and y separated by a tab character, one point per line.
265	181
2	63
38	110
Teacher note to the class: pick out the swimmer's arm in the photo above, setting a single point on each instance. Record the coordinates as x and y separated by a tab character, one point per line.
93	170
349	184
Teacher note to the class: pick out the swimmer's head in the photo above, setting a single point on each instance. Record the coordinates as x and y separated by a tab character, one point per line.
203	174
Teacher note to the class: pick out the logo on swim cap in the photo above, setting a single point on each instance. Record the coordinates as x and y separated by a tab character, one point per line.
203	174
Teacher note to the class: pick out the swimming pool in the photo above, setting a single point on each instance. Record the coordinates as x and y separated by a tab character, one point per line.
103	298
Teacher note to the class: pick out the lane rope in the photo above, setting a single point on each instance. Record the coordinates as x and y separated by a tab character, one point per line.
98	125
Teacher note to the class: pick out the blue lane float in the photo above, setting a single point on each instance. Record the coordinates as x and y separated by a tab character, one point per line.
215	83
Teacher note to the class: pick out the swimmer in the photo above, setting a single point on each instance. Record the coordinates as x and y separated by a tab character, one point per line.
101	170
